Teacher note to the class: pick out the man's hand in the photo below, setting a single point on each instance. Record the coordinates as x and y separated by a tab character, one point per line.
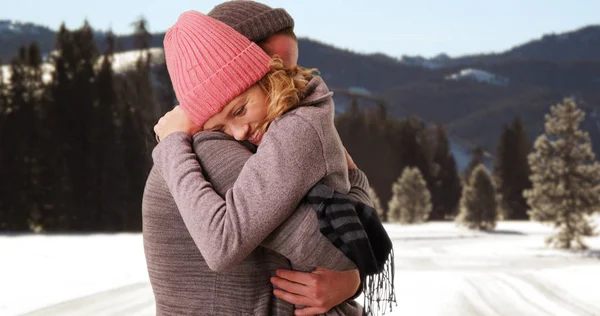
175	121
351	164
319	290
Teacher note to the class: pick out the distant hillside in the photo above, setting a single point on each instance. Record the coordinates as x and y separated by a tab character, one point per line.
13	34
477	111
473	95
345	69
579	45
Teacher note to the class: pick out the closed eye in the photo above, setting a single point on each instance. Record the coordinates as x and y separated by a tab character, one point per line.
240	111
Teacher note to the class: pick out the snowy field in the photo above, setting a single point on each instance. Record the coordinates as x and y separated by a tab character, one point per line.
440	270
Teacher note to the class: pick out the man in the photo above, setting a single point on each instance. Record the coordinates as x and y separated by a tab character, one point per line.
273	30
180	278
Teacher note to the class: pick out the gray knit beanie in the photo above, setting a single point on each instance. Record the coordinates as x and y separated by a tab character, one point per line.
252	19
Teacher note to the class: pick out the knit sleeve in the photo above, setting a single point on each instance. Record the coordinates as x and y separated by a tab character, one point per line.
269	188
297	238
300	235
359	186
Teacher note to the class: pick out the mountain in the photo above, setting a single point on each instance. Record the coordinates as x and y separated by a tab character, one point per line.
579	45
474	96
431	63
14	34
8	27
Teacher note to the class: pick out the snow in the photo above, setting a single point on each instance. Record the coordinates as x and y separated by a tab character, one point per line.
435	62
478	75
126	60
122	62
12	26
8	25
418	61
440	270
360	90
43	270
5	73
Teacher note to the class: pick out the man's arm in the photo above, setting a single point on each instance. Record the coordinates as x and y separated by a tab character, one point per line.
359	184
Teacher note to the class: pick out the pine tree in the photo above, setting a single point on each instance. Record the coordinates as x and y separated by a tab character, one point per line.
108	151
478	205
413	148
47	152
416	148
137	115
411	200
31	136
13	153
376	153
73	97
3	96
81	154
142	98
447	187
166	94
61	109
565	177
511	170
476	160
142	36
5	216
376	203
521	179
362	135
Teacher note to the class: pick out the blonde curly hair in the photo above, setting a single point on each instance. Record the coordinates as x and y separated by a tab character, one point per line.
285	87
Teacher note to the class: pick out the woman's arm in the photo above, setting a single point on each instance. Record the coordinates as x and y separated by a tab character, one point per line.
311	289
359	186
222	159
298	238
269	188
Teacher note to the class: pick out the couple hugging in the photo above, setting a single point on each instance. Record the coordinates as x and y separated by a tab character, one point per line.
253	206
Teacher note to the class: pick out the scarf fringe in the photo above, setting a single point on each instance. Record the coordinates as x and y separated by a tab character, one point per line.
379	294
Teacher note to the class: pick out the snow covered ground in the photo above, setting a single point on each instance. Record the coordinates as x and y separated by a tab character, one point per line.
440	270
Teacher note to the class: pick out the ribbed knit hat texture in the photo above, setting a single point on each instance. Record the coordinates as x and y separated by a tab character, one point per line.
252	19
210	64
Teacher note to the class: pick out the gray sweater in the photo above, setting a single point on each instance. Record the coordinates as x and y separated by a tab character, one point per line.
202	250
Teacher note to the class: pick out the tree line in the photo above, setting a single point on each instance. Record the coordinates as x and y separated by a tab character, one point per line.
75	147
391	151
557	181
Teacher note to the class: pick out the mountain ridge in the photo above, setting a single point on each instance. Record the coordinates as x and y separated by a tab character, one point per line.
538	73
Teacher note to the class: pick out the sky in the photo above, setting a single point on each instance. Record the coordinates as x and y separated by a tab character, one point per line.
393	27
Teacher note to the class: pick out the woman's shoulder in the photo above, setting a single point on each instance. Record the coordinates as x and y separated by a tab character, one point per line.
314	112
296	121
316	107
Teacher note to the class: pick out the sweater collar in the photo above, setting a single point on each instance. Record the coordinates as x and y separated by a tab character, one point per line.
316	91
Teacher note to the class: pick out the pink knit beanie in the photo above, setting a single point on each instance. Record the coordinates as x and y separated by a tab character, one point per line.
210	64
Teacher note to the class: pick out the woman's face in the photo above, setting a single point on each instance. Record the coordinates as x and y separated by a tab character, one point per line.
242	117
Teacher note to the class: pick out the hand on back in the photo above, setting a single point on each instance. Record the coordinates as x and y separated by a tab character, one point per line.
319	290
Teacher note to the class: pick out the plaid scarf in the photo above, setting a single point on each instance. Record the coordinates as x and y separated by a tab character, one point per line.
354	228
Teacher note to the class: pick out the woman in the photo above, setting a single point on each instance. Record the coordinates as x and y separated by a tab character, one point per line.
227	84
